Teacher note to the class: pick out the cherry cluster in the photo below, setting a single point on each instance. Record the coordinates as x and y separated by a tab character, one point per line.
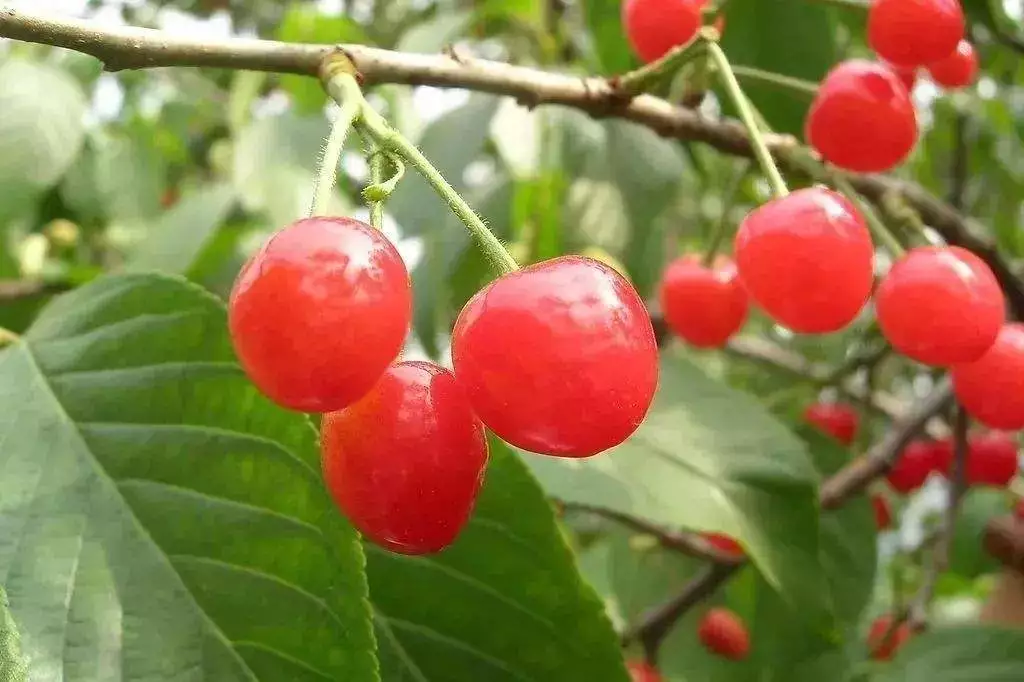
558	358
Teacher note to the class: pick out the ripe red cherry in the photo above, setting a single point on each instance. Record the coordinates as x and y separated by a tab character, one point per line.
990	387
653	27
907	75
918	460
838	420
915	32
405	462
882	648
862	118
724	544
723	633
558	358
883	513
958	70
992	459
705	306
940	306
319	312
639	671
807	260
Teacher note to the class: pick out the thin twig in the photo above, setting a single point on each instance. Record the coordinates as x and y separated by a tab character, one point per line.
16	289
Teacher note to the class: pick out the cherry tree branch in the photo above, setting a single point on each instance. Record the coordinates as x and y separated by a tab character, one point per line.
136	48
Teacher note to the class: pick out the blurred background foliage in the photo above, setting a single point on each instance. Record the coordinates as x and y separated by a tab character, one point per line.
186	171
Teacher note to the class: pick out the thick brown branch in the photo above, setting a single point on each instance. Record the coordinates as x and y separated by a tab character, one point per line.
129	48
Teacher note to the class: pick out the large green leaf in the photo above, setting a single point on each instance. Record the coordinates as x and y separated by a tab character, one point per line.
158	517
962	654
505	603
791	37
12	663
967	557
711	458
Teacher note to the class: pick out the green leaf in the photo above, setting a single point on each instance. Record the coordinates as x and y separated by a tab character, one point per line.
12	663
41	128
979	506
712	459
961	654
790	37
608	39
158	514
178	237
505	603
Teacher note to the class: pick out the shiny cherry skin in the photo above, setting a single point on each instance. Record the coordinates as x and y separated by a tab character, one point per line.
940	306
838	420
653	27
862	118
319	312
641	671
958	70
558	358
704	306
915	32
990	387
915	464
405	462
724	544
883	512
907	76
882	648
992	459
807	260
723	633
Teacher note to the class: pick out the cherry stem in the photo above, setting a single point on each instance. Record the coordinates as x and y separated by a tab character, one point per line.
875	224
746	112
390	139
346	92
646	77
379	189
722	226
788	82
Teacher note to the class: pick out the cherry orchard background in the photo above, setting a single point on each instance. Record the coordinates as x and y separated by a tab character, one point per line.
185	171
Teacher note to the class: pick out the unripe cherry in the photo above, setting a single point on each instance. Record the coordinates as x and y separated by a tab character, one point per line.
558	358
838	420
917	461
319	312
882	648
406	461
704	306
958	70
723	633
990	387
653	27
940	305
992	459
883	512
915	32
641	671
807	260
862	118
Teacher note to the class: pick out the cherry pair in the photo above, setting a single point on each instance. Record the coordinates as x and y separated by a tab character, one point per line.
929	34
992	460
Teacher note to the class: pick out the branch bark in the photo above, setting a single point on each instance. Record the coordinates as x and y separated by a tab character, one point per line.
136	48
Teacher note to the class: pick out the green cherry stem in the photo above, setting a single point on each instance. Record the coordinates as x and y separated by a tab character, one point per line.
345	91
797	85
646	77
390	139
376	178
875	224
746	112
722	226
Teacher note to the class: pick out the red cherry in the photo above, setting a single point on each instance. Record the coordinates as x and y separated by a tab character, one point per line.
653	27
838	420
724	544
992	459
405	463
918	460
940	306
883	513
907	75
705	306
882	648
319	312
639	671
807	260
722	632
915	32
958	70
558	358
990	388
862	118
